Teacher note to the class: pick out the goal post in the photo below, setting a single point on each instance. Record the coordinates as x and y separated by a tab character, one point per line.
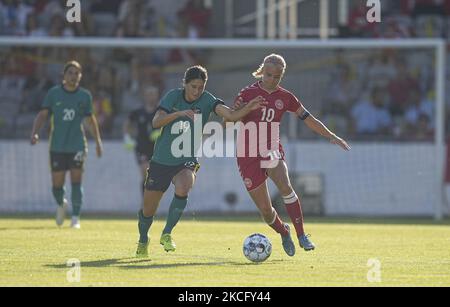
437	46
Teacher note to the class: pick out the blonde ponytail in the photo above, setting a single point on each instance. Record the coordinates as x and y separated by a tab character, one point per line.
273	58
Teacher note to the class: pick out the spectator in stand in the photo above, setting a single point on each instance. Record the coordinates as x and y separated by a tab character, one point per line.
371	117
129	27
424	132
35	89
39	6
105	6
428	7
153	75
12	79
136	19
423	7
51	8
358	24
380	69
419	111
428	16
399	88
182	55
395	29
193	23
103	97
33	28
58	27
343	91
103	110
196	18
14	17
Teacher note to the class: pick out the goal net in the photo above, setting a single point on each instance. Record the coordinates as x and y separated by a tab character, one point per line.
386	98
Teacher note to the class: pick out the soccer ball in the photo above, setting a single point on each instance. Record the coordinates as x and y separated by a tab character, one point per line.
257	247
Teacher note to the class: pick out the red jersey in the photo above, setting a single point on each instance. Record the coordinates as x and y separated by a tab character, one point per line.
267	119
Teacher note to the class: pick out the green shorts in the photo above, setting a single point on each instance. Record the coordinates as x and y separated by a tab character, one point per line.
61	161
160	176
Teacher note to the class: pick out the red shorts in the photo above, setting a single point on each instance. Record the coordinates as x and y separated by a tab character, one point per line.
254	170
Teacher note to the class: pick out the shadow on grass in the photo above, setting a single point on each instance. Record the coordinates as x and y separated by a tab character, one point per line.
29	228
191	264
100	263
136	264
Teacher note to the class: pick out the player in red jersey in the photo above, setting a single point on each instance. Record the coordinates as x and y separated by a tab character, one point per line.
268	161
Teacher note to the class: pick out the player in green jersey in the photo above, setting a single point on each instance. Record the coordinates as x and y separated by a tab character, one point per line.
177	113
68	105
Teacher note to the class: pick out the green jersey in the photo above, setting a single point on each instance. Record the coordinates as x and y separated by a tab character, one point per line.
167	146
68	109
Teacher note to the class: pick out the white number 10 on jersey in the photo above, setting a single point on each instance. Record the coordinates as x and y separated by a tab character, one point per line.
267	115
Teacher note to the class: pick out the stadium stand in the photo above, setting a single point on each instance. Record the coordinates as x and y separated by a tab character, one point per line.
26	73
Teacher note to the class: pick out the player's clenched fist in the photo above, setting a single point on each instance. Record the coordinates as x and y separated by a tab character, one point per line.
34	139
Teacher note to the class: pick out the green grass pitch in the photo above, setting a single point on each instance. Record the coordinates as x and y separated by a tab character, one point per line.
33	252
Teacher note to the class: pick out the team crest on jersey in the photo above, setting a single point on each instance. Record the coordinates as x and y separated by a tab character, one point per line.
248	183
279	104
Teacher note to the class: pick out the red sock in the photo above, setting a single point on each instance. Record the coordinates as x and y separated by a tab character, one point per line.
294	209
278	225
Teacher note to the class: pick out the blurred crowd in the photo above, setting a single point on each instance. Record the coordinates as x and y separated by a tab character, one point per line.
388	92
371	94
378	93
116	79
400	19
113	76
120	18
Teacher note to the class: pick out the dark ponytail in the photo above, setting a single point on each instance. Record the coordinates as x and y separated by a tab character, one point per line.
195	72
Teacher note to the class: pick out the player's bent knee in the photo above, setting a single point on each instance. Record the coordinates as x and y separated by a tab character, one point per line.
183	190
183	187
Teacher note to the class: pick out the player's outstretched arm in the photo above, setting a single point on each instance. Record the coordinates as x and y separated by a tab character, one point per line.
234	115
37	125
162	118
318	127
95	131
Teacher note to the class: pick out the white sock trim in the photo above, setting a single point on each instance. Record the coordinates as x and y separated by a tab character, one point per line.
274	216
290	199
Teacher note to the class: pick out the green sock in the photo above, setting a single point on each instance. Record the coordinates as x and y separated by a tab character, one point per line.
77	199
58	194
175	212
143	226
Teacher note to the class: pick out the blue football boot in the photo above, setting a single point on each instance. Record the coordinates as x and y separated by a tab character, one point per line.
288	244
305	243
